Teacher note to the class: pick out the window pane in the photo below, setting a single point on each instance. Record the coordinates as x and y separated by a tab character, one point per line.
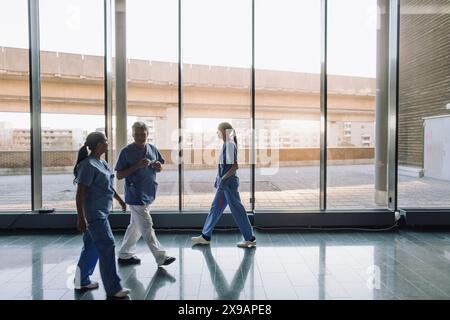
216	88
287	62
352	50
153	85
424	105
72	77
15	180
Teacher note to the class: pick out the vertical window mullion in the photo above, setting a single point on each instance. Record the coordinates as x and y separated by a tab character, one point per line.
323	107
253	120
108	75
35	104
180	115
394	28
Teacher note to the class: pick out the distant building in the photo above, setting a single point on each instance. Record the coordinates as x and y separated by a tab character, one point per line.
6	129
351	134
52	139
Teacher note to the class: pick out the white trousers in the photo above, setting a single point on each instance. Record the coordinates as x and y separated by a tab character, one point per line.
141	224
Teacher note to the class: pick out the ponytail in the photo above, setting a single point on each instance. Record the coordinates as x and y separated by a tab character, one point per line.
92	140
82	154
224	127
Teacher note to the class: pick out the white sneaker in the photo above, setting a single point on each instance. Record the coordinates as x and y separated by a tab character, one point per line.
90	286
199	240
122	293
247	244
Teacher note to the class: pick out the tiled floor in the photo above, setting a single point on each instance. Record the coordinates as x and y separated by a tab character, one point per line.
285	265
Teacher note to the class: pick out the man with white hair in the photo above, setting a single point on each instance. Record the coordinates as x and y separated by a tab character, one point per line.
138	163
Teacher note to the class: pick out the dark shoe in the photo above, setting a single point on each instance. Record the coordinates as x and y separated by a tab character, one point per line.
167	261
129	262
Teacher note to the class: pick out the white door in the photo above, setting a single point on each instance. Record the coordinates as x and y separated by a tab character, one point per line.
437	148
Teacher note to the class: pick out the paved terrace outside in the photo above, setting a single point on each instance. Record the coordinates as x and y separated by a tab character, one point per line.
350	187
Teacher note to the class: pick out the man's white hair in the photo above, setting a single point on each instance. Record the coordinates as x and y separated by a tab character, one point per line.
139	125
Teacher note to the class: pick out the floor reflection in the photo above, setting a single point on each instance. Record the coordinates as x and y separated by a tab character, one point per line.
285	265
140	292
224	290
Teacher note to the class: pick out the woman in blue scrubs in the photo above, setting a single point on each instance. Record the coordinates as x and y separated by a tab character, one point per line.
227	183
94	198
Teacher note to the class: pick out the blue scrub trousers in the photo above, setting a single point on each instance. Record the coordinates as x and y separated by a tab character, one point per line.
227	194
99	245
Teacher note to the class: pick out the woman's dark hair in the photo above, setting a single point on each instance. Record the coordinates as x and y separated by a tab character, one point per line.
225	127
92	140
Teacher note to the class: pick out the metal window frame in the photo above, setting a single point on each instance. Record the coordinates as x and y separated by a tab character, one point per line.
108	89
253	120
393	107
180	115
35	104
121	83
323	105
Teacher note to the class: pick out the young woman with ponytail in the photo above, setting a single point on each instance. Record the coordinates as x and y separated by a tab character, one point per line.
227	183
94	198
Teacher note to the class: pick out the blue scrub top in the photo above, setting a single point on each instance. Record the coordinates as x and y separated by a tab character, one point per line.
227	157
96	175
141	186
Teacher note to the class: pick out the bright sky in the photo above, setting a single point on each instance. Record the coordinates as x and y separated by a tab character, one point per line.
214	32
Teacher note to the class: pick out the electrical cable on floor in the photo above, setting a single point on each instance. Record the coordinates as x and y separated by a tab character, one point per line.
280	229
16	219
329	229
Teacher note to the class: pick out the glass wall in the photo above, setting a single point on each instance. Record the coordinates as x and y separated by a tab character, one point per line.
216	87
424	105
72	90
352	58
287	84
15	179
216	45
153	85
